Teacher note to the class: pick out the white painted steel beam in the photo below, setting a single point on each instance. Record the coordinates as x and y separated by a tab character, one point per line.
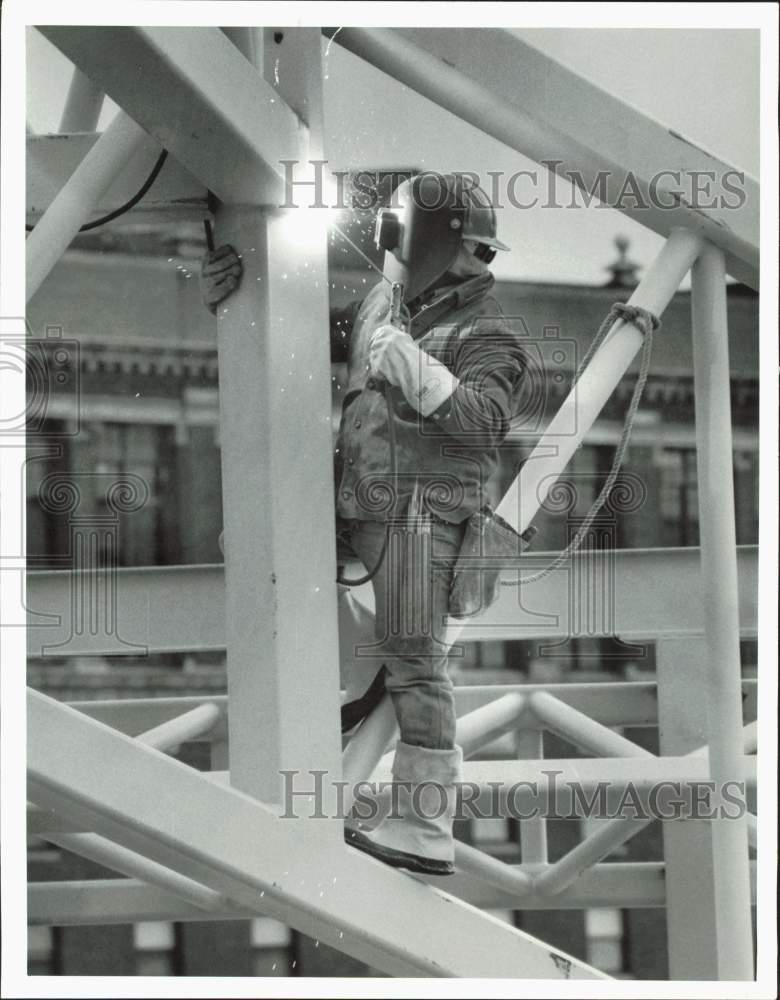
720	598
474	863
613	703
580	729
267	864
83	104
569	869
481	726
119	859
510	90
616	832
51	160
507	785
526	779
529	743
199	97
120	901
180	608
628	885
275	404
122	140
192	725
691	913
578	412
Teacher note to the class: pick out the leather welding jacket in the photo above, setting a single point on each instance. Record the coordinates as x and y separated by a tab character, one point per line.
453	453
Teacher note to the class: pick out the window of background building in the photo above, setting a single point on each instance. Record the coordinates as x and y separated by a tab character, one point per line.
100	454
746	496
604	940
271	943
47	533
678	500
42	951
156	951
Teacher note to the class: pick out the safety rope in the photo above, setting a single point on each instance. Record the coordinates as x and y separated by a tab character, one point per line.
647	323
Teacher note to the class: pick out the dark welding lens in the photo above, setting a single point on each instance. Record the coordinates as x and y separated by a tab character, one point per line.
387	235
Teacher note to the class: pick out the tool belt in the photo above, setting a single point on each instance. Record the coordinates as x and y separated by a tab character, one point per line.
490	545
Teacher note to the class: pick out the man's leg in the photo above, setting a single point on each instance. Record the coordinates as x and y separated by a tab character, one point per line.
412	593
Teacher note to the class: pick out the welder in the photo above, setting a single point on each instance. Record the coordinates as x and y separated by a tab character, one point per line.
433	383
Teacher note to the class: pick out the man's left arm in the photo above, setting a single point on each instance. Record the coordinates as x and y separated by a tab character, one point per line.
489	367
471	399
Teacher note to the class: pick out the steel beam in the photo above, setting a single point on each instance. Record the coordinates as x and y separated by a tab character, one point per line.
119	859
529	742
122	140
691	910
124	901
610	835
478	728
51	160
200	97
532	783
180	608
280	563
83	104
719	588
192	725
473	863
613	703
515	787
580	730
518	95
265	864
578	412
569	869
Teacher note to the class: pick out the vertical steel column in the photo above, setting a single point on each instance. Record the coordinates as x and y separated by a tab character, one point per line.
720	598
533	832
72	206
280	566
82	104
691	908
248	41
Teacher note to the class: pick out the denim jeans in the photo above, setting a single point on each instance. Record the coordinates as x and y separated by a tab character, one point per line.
411	591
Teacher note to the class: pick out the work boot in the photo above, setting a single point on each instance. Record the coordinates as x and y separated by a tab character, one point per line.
417	832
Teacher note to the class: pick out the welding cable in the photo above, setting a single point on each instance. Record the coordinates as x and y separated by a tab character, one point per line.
128	204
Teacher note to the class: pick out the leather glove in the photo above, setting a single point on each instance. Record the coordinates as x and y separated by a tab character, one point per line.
220	275
425	382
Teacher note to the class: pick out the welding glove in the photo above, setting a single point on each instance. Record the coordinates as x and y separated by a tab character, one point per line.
425	382
220	274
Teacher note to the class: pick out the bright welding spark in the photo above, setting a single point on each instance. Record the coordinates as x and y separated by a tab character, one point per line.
327	52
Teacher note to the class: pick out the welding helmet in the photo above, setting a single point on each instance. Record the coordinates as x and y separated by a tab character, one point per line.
423	231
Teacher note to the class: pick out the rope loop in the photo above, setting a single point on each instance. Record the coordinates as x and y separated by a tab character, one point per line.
646	321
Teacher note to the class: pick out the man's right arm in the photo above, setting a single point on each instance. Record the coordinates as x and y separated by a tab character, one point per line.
220	275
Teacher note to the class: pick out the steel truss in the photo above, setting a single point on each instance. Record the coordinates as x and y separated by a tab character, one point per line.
230	107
